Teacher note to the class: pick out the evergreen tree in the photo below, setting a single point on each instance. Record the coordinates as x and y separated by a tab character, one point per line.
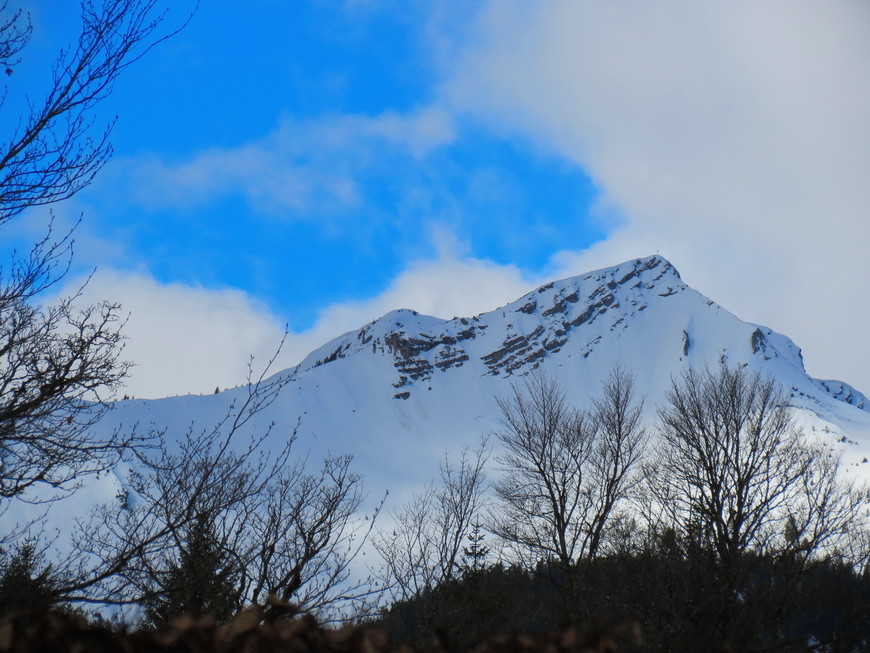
203	579
27	586
476	552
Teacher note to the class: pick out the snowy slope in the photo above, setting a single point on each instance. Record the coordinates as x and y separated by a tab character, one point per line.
399	391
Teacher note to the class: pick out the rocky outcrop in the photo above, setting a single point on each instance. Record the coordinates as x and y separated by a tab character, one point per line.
411	354
567	312
546	318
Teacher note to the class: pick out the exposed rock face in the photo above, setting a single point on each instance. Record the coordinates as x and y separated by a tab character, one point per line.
845	393
583	316
758	342
412	357
546	319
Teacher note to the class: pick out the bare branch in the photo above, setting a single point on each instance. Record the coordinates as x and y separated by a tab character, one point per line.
425	546
565	470
55	152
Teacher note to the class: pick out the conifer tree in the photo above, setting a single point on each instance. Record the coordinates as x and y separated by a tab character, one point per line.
27	585
203	579
476	552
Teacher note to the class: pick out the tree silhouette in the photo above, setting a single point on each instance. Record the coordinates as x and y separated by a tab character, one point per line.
202	579
59	363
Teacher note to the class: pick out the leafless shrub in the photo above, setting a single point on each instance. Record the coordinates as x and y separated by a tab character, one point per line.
426	545
287	532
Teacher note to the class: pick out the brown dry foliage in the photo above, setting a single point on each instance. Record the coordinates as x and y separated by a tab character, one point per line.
277	627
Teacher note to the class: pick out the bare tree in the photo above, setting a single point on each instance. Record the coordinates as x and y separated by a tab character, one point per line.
59	363
829	515
615	463
425	547
566	470
285	533
275	527
746	501
120	553
303	535
15	31
547	447
734	471
54	152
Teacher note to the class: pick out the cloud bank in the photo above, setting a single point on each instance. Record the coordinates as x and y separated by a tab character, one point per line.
732	137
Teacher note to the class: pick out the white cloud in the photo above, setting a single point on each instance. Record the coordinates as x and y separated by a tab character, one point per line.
184	339
302	164
733	137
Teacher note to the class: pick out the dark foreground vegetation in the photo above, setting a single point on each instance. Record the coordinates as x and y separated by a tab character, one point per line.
276	628
663	599
653	601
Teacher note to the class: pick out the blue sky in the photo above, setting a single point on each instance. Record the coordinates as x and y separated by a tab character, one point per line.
320	162
309	88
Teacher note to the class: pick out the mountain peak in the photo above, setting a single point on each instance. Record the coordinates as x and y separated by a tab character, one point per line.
515	337
650	272
399	390
639	312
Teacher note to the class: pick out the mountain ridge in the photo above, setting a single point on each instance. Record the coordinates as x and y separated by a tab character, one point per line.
423	345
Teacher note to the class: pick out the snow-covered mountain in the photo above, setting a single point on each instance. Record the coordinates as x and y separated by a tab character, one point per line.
399	391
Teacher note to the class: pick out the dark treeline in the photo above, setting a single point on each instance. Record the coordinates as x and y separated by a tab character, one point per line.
723	527
665	597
